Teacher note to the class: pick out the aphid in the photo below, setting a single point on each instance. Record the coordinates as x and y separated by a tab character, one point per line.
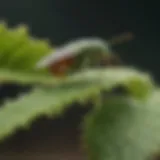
79	54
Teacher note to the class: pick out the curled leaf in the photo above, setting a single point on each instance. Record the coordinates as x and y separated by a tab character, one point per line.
124	129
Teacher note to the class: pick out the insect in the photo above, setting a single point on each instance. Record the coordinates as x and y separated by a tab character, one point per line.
81	53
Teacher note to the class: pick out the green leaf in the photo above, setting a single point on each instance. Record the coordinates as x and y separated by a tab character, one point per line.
124	129
139	84
19	54
52	100
31	78
18	50
41	101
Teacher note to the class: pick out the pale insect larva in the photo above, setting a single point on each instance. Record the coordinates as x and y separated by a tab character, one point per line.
60	60
71	49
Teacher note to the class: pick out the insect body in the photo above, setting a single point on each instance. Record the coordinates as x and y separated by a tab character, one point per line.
82	53
78	54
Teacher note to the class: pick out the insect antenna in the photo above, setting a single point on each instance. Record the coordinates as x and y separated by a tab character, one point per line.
124	37
114	59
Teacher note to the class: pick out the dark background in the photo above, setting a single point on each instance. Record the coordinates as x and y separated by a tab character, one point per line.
63	20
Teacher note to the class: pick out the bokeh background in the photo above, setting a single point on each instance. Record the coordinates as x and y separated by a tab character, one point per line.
63	20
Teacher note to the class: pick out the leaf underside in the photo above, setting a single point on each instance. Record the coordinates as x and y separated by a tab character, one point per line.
124	129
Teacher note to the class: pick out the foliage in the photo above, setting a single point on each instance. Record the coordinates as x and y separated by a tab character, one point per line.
122	126
123	129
